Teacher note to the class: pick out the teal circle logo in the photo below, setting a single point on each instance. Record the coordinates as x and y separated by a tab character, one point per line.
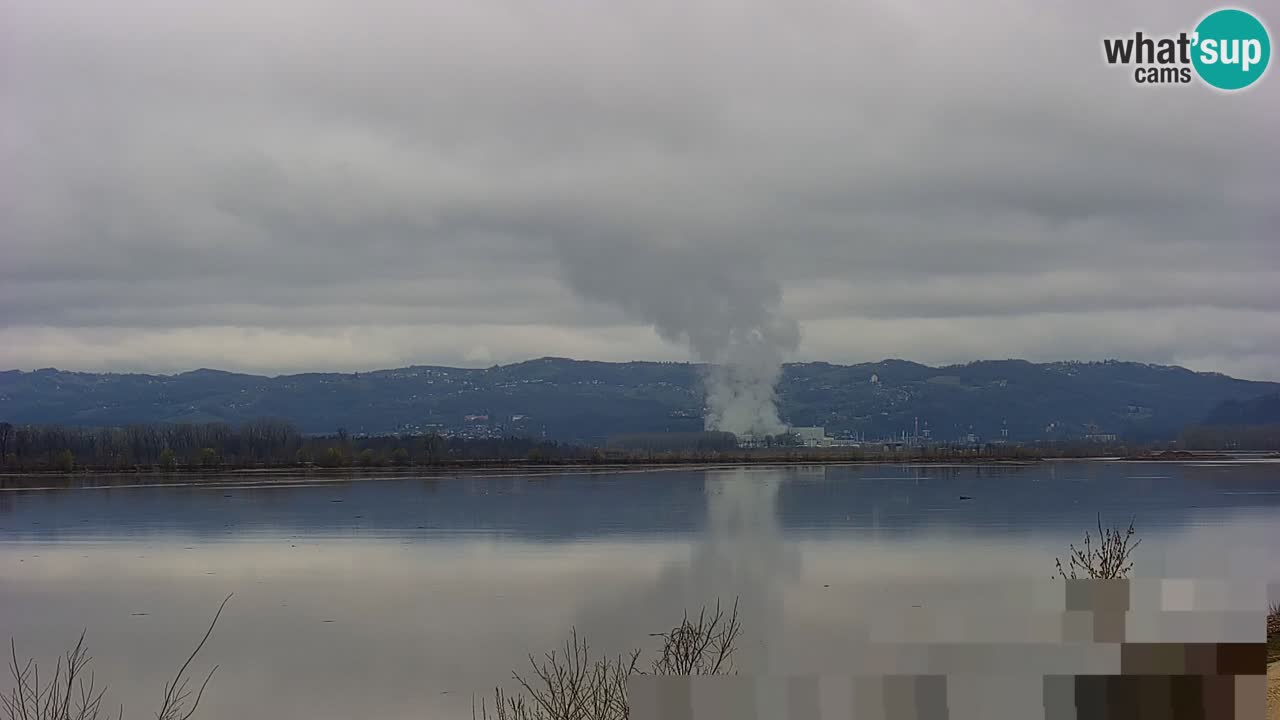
1231	49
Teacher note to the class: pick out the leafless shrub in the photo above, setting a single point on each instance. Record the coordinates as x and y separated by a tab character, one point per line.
1109	560
70	695
702	647
569	685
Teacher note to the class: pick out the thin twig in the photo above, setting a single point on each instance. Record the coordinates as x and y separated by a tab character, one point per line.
175	692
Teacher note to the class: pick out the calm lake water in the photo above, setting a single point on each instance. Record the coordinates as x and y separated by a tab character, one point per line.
401	597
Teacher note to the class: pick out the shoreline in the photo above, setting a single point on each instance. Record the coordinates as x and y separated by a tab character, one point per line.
90	478
799	458
470	467
527	465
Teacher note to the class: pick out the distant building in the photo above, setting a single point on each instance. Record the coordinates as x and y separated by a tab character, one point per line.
812	436
1094	434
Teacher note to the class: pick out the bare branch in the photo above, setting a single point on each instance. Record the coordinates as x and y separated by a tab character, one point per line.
175	693
70	695
1110	560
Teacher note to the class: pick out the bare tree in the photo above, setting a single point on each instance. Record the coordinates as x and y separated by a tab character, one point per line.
572	686
6	440
70	695
701	647
1109	560
569	686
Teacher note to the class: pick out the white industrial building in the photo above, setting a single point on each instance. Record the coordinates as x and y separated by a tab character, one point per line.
812	436
807	436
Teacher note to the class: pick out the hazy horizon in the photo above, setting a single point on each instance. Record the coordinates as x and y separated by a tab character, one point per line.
520	361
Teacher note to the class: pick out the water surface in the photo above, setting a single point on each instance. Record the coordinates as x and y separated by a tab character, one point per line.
401	597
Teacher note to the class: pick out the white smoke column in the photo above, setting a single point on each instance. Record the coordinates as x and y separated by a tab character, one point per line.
740	387
716	299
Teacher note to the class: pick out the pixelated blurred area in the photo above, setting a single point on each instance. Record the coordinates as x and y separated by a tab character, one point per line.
1147	648
933	697
1273	634
1273	662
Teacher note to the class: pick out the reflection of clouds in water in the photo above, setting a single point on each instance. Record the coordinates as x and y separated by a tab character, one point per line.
741	553
415	628
416	618
1224	544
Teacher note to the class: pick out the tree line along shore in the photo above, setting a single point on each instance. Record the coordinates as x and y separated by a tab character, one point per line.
271	444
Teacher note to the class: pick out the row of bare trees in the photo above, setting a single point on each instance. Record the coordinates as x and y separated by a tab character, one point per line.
57	446
1229	437
261	443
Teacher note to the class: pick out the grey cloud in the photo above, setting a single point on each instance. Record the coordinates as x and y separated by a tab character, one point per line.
939	183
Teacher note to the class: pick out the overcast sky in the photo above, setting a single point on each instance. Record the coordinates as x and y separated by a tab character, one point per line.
339	185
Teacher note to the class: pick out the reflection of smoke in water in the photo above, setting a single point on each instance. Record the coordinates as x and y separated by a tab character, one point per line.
740	553
743	555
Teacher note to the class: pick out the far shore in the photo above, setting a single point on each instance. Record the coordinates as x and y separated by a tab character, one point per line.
445	469
521	465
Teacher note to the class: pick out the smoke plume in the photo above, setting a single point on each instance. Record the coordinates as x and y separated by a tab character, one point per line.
716	300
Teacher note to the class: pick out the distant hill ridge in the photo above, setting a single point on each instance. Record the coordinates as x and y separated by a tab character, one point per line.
1264	410
590	400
